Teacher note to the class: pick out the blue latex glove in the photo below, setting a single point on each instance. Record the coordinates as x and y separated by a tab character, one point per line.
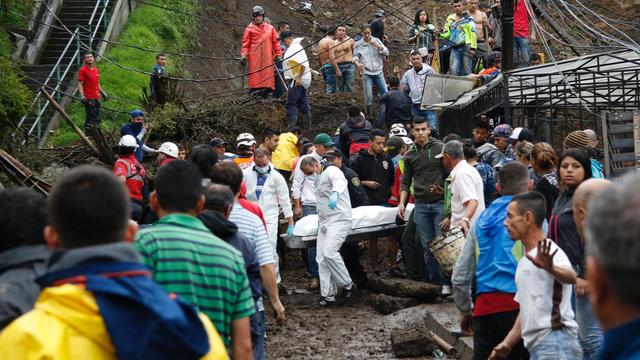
333	200
290	229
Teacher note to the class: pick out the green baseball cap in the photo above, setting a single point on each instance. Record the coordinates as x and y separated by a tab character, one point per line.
323	139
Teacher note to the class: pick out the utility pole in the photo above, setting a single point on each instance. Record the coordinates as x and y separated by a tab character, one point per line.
507	53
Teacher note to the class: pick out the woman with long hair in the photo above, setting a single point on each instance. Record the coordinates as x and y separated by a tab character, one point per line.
421	35
544	162
523	156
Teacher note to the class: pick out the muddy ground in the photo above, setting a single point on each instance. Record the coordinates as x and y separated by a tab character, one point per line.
350	331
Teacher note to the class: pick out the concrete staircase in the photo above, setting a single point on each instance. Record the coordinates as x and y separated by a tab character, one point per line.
53	60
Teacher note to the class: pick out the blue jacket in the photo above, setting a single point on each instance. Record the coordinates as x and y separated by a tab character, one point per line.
622	342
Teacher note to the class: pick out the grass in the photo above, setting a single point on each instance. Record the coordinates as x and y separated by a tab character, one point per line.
147	27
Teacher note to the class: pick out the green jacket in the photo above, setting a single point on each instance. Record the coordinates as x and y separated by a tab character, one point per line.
423	169
460	32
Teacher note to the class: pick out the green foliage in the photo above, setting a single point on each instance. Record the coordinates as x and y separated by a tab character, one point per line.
148	27
14	96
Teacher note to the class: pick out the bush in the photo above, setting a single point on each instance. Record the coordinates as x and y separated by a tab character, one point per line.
14	96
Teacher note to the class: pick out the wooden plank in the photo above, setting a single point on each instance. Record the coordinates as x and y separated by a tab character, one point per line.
620	128
623	157
618	144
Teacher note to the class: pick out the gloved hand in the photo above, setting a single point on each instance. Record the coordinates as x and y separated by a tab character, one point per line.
333	200
290	229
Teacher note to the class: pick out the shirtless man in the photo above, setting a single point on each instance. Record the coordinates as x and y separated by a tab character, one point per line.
328	64
481	21
344	58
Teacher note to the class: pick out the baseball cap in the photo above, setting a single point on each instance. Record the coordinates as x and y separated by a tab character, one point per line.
333	153
407	140
323	139
128	141
502	130
137	113
245	139
216	142
450	148
520	134
395	143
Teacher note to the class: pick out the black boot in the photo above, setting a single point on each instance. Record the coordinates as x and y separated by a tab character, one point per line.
292	120
308	120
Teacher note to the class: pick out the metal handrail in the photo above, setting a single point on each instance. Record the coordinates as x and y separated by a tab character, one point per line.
56	68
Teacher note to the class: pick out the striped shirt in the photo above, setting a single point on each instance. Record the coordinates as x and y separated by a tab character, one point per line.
251	227
188	260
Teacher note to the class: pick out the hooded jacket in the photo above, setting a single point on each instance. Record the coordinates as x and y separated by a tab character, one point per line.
354	130
490	154
228	231
395	107
422	169
19	267
286	152
100	302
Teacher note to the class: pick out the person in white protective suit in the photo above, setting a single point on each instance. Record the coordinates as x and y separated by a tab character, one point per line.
334	222
267	188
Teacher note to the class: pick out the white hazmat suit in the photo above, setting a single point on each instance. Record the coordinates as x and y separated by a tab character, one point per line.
274	196
334	225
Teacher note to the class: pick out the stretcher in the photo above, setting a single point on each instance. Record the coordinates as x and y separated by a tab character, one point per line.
363	233
368	222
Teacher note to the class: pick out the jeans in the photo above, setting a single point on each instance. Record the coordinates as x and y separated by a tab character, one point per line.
558	345
329	76
490	330
428	217
258	330
297	100
460	61
312	264
430	115
92	114
589	330
521	51
413	252
369	80
348	71
280	86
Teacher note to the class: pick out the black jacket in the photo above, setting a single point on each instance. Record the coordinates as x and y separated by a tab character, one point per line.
228	231
395	107
357	192
563	231
19	267
353	130
421	167
375	168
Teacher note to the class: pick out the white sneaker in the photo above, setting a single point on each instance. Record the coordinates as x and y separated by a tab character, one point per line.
446	290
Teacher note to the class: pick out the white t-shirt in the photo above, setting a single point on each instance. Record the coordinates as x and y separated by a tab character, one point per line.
466	185
535	295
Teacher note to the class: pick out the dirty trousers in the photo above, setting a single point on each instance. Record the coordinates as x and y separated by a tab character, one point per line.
333	272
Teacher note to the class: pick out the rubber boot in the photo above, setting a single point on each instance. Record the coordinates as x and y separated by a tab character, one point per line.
292	120
308	120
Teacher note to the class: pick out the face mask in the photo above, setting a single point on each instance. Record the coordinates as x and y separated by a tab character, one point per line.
262	169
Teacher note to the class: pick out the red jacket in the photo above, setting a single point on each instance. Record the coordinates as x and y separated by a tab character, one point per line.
249	206
260	45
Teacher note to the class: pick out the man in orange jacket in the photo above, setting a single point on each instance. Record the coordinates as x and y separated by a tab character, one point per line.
260	46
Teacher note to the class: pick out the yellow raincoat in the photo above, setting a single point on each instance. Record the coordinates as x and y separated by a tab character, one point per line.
286	152
66	324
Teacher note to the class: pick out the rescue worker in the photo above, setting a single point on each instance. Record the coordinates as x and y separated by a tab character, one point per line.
129	170
268	188
167	152
297	77
245	144
260	47
334	222
287	151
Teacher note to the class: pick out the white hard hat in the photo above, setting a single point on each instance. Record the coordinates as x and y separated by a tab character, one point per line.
398	130
245	139
169	148
407	140
128	141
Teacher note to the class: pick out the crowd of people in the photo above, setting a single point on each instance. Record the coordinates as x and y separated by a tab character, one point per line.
185	259
120	264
